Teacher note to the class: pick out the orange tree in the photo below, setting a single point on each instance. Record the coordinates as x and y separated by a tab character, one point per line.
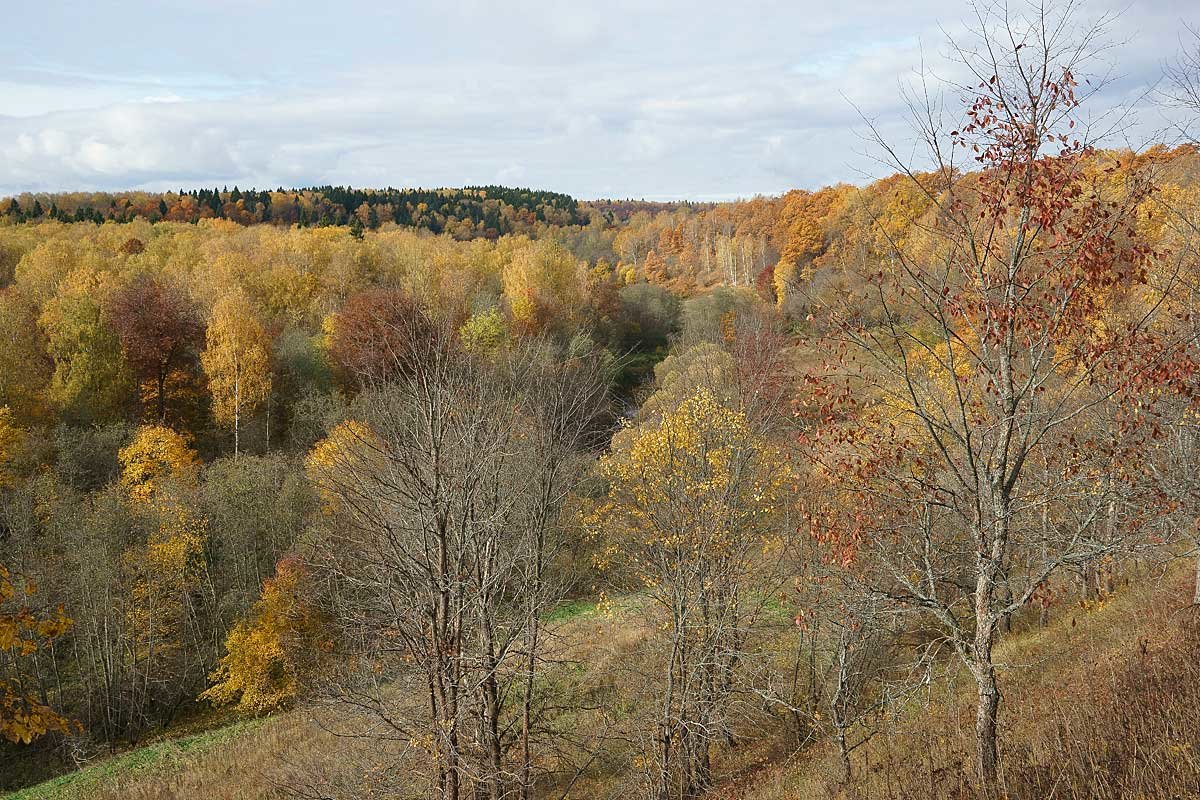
25	714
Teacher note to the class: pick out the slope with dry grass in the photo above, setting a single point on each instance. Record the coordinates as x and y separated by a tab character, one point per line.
1102	704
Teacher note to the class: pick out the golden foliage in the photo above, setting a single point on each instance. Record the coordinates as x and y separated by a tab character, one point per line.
164	572
24	717
11	438
697	484
348	448
156	452
543	283
236	358
483	332
269	653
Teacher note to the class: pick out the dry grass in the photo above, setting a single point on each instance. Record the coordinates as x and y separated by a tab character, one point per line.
292	754
1103	704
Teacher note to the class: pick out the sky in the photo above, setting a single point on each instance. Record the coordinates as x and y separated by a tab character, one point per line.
623	98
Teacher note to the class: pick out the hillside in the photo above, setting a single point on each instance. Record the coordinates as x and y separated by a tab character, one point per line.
470	212
1113	688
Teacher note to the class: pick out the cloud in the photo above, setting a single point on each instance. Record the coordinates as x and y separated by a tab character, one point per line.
655	99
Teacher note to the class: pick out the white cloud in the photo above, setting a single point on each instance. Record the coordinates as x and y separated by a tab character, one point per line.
660	99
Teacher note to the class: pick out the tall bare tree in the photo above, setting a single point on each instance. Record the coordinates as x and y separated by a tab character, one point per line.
445	500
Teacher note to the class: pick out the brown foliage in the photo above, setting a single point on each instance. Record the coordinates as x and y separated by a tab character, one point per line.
375	332
159	329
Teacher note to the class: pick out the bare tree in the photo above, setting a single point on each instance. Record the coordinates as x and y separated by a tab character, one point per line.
447	497
1182	89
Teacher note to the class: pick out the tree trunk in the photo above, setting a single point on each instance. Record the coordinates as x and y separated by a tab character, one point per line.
162	400
1196	593
237	408
1087	581
527	708
491	712
987	709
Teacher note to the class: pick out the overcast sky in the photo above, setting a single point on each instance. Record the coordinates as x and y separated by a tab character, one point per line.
622	98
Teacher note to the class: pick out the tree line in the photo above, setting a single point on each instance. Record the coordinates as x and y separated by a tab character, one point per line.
470	212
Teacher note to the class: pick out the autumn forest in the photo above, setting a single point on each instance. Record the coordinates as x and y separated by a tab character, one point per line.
881	490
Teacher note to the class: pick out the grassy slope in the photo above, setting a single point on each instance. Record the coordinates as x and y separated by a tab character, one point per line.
1101	704
246	759
158	758
1100	697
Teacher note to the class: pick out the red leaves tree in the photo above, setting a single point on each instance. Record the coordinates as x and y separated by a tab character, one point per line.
159	329
986	430
375	333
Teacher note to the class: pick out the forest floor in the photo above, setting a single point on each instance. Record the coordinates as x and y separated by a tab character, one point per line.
1101	703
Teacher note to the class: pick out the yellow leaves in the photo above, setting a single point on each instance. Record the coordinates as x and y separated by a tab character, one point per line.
22	633
938	368
543	282
483	332
350	448
163	571
787	280
236	359
523	308
23	719
697	481
269	653
678	374
168	567
156	453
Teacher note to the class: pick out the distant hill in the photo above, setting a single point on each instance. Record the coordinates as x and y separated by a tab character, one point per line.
466	213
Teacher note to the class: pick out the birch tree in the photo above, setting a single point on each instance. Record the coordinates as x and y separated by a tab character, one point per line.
237	360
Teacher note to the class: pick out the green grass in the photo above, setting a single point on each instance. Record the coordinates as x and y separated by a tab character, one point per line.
84	782
583	609
572	609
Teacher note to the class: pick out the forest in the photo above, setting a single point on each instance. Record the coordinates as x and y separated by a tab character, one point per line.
467	213
874	491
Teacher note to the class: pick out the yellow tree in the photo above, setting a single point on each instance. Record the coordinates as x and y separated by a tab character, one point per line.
156	452
690	520
165	573
350	448
11	438
803	224
237	360
544	286
269	654
483	332
91	380
24	367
